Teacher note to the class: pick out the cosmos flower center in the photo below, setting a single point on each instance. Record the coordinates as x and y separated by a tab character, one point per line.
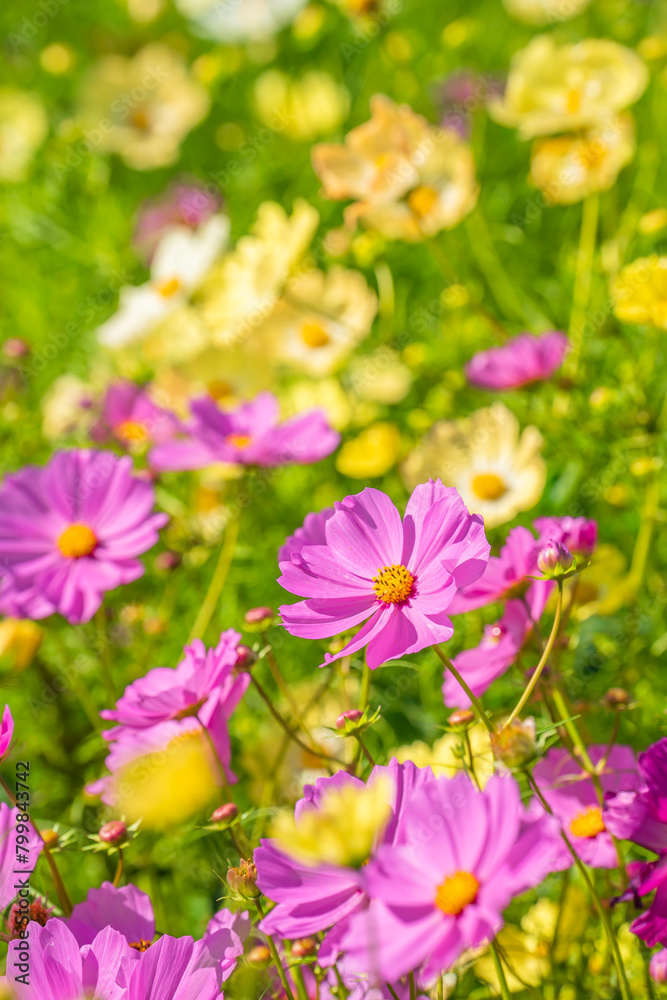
456	892
422	200
140	945
588	823
488	486
573	100
76	541
314	335
393	584
131	431
140	119
238	440
218	389
169	287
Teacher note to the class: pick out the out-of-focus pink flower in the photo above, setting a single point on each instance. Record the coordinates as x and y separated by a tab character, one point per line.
6	732
249	435
658	966
185	203
578	534
130	417
520	361
70	531
399	577
11	865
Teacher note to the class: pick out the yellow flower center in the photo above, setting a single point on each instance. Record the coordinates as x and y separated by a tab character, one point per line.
238	440
573	100
313	335
588	823
488	486
76	541
140	945
168	287
393	584
140	119
218	389
422	200
456	892
131	431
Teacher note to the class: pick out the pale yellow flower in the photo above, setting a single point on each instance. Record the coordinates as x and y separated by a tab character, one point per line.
379	377
304	108
319	320
559	88
64	405
326	393
370	454
544	11
142	108
409	178
567	168
498	470
19	641
23	128
639	292
446	756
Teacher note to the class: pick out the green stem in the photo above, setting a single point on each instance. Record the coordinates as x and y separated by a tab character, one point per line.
570	728
364	749
392	990
500	972
582	278
276	957
530	687
500	285
105	654
476	703
413	988
119	868
643	541
217	580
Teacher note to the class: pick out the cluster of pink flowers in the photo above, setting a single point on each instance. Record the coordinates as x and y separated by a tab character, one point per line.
520	361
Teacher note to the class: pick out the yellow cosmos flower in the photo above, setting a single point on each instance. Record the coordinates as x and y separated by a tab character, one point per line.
570	167
313	105
19	641
559	88
379	377
342	830
327	393
373	453
142	108
544	11
498	470
639	292
408	178
445	756
23	127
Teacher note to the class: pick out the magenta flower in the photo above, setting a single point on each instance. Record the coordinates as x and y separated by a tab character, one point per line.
71	530
466	854
578	534
398	577
11	869
130	417
495	654
641	814
520	361
6	732
573	797
508	575
312	532
249	435
658	966
312	898
204	683
127	910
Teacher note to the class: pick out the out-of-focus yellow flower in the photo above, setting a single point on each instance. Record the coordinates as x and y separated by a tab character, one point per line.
311	106
23	128
64	406
639	292
142	108
559	88
567	168
379	377
19	641
373	453
445	756
409	179
341	830
320	319
603	587
498	470
652	222
327	393
544	11
57	58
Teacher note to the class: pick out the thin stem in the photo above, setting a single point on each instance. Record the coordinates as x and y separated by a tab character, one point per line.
530	687
119	868
364	749
499	284
392	990
413	988
582	277
476	703
473	773
243	847
105	654
217	580
276	957
500	972
284	725
571	729
645	533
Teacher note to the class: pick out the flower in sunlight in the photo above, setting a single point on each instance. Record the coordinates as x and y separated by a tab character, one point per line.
240	21
372	453
309	106
19	641
184	203
129	416
540	12
567	168
449	754
142	108
639	292
555	88
23	128
521	361
497	469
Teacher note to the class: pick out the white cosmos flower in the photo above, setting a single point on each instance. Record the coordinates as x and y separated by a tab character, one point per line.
179	264
234	21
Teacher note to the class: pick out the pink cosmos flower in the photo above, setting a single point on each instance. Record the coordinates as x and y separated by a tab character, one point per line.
183	204
10	867
578	534
6	732
465	855
312	898
520	361
658	966
130	417
249	435
399	577
204	683
311	532
495	654
71	530
574	799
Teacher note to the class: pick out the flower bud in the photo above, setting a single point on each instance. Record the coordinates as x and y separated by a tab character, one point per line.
259	617
165	562
514	745
225	813
113	832
554	559
50	838
259	955
461	717
658	966
352	715
14	347
243	879
244	657
306	946
616	698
